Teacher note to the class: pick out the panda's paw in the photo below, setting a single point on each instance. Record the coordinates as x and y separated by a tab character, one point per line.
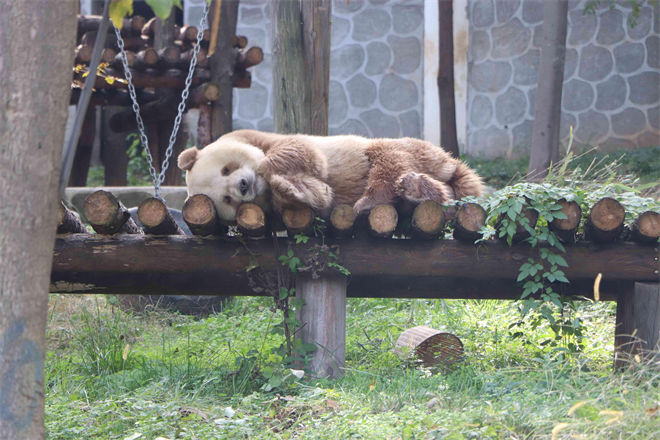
411	186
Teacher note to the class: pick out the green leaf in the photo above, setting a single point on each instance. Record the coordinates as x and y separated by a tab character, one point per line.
163	8
118	10
268	372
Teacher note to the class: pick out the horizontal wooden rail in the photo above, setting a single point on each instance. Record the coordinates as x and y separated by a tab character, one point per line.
175	264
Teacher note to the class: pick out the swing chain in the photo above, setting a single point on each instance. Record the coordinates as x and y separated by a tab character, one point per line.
159	178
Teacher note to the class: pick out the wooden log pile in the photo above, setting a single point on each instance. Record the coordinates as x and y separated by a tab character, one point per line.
604	224
155	69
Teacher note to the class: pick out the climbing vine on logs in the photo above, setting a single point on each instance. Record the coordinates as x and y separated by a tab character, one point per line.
546	216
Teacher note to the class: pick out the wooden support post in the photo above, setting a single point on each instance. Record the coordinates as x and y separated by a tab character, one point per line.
637	320
323	321
448	136
83	155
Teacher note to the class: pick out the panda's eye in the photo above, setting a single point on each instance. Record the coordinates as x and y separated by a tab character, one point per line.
228	200
225	171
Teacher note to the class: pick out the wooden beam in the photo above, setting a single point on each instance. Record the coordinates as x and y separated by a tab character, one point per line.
411	258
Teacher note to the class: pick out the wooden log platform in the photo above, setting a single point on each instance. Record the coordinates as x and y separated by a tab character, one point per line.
69	221
108	215
156	219
201	217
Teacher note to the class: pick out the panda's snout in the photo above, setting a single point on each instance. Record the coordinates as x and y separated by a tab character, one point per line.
244	186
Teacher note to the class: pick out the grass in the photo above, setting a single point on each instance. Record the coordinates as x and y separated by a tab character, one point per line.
642	162
115	375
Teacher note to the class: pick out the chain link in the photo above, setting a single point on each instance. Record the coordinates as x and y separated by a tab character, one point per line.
159	178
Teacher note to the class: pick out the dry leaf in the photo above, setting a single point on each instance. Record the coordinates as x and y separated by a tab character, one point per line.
332	404
597	287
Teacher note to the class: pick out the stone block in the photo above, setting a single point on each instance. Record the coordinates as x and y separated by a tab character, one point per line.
346	60
239	124
577	95
612	144
522	138
411	124
339	32
251	16
629	56
378	58
480	45
611	29
511	106
264	70
361	91
611	94
266	125
490	76
645	88
351	126
337	103
532	11
582	28
628	122
654	117
407	53
648	139
653	51
642	26
344	7
489	143
595	63
483	13
506	9
570	63
526	68
406	18
566	121
380	124
481	111
252	102
371	24
592	128
511	39
397	93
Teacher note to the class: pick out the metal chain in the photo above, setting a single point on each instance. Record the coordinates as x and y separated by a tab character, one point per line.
159	178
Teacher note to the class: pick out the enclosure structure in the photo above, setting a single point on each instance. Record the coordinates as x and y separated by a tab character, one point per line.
384	260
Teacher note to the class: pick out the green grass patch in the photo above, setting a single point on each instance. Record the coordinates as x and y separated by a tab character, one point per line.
112	374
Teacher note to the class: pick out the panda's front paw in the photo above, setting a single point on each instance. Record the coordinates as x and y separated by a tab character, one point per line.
411	186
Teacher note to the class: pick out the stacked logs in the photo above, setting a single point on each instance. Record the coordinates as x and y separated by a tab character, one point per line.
107	215
151	69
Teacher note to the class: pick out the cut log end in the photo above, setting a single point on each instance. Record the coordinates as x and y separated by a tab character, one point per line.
646	228
298	221
606	220
342	221
470	218
69	221
566	229
428	220
100	208
200	215
157	219
382	221
251	220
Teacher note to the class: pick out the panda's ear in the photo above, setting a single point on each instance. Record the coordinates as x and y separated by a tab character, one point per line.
188	158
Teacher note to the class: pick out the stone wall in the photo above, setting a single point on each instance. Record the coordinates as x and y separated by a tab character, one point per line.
611	90
376	67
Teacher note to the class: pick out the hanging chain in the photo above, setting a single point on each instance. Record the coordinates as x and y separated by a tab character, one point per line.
159	178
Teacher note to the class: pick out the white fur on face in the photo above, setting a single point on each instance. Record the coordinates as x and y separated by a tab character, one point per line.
206	176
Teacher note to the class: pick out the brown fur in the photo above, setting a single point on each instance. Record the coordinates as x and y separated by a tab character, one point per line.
322	172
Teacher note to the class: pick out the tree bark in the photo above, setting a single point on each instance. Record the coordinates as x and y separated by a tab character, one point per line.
291	89
221	64
448	136
547	113
316	16
37	45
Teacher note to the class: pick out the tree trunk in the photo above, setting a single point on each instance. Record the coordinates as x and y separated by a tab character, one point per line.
115	158
292	89
448	136
547	114
221	64
316	16
83	156
35	86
